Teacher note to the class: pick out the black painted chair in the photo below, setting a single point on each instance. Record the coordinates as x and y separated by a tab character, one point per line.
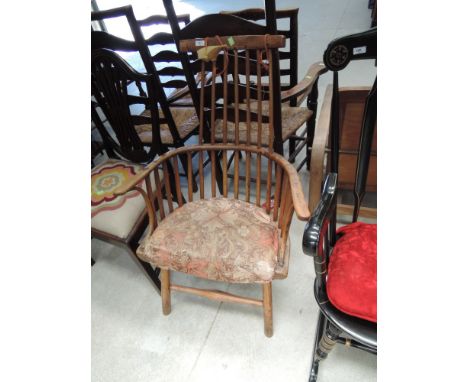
345	259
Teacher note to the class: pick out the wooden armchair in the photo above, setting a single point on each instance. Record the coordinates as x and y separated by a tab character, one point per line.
289	117
235	234
345	259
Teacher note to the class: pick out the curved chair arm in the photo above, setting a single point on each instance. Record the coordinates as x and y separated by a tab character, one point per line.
317	156
304	87
297	195
316	226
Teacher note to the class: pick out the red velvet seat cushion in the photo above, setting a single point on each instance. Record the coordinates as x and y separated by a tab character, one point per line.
352	271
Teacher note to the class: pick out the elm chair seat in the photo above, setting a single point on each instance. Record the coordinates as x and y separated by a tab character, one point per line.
293	119
218	239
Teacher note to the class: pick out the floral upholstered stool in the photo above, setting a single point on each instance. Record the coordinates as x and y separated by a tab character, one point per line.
219	239
121	219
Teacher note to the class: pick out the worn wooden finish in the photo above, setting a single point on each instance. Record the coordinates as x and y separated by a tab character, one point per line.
166	291
279	192
190	189
240	42
175	164
217	295
297	196
267	310
286	194
317	157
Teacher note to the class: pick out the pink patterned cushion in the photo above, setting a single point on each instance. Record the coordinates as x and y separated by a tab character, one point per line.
217	239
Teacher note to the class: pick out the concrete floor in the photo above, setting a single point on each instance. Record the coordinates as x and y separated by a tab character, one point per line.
202	340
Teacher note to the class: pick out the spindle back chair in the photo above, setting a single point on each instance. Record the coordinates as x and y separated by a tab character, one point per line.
288	56
236	233
287	120
345	259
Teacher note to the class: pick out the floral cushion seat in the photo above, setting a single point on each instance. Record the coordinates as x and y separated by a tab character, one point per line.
218	239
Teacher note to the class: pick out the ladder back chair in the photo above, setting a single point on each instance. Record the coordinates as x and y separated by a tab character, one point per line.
121	220
345	259
288	69
237	233
177	124
287	119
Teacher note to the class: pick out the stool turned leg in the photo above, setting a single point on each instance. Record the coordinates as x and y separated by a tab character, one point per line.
166	291
267	310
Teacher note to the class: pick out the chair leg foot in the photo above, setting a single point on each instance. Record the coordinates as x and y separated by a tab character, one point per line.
166	291
325	339
267	310
314	371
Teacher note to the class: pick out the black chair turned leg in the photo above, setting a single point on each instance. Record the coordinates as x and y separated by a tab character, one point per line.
325	339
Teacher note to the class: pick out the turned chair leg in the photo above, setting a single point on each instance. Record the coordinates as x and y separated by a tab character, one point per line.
325	339
166	291
267	310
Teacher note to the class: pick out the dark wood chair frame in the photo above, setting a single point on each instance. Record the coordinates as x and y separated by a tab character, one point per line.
228	25
320	233
126	144
101	39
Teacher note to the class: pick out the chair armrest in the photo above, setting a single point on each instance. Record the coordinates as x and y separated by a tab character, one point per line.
317	156
303	88
297	194
315	226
